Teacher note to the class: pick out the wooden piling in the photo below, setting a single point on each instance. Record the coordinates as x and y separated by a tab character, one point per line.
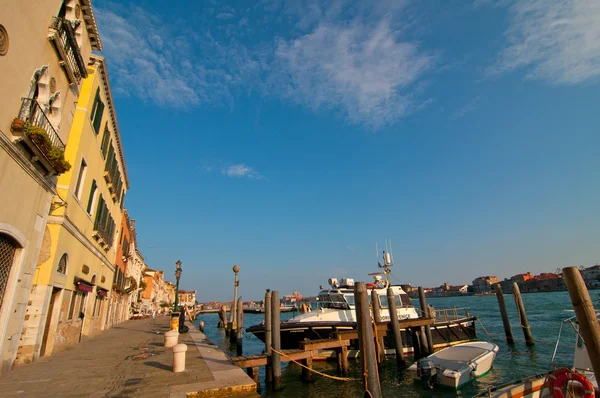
253	373
586	315
522	315
306	373
268	337
428	343
504	314
240	327
376	320
395	327
366	343
276	341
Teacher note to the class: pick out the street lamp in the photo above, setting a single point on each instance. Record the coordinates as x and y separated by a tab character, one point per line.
177	276
232	313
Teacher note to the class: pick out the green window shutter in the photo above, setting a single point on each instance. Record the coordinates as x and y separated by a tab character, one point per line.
111	154
95	105
105	141
98	116
91	198
99	211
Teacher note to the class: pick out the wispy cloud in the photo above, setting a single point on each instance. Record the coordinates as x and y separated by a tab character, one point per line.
338	56
556	40
240	171
350	248
364	71
469	107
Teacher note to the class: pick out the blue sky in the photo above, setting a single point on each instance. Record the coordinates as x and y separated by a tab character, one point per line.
288	137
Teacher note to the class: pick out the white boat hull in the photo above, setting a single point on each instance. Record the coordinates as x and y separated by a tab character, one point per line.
460	364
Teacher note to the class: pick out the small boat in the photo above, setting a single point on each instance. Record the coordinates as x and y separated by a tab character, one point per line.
455	366
579	378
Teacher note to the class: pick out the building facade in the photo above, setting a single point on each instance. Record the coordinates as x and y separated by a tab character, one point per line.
119	305
74	275
484	284
44	49
187	297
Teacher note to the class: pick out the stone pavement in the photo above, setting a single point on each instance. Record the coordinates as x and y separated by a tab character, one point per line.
129	360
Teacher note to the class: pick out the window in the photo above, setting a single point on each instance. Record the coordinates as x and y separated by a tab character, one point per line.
95	306
82	302
383	301
105	141
8	249
80	179
97	110
72	307
62	264
92	197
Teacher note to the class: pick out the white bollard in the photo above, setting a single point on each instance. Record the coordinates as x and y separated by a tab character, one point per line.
179	358
171	338
201	326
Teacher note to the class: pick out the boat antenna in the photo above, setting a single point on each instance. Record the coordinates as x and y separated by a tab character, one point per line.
391	252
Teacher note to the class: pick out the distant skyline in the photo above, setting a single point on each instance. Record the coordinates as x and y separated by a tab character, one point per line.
289	136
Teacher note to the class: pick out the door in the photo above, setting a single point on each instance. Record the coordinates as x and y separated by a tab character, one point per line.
53	300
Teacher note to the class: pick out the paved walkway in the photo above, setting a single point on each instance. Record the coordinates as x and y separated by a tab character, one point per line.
129	360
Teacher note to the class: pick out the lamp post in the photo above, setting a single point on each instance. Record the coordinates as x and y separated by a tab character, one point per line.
177	276
232	312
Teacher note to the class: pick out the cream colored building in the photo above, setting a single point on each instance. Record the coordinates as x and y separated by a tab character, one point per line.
44	49
72	284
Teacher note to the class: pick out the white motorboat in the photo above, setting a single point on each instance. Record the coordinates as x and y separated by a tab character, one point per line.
579	377
455	366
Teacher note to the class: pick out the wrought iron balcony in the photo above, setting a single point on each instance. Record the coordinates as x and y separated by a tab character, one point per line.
62	35
32	113
43	145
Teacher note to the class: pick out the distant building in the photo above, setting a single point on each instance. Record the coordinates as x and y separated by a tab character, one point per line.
520	279
545	282
484	284
591	275
187	297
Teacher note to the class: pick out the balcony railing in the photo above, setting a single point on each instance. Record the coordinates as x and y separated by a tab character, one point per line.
32	113
63	37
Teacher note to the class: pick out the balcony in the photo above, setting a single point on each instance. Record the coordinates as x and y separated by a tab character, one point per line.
62	36
39	139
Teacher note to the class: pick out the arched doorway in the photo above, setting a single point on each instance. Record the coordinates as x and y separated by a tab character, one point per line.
8	251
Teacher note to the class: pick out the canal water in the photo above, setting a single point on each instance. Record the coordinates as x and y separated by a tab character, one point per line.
545	312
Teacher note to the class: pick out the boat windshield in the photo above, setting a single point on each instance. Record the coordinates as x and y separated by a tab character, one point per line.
350	299
334	301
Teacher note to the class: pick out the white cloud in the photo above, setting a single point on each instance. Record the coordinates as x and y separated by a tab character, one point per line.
469	107
241	170
365	72
556	40
339	56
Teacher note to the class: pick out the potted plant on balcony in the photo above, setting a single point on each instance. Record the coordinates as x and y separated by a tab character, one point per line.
58	160
18	125
39	136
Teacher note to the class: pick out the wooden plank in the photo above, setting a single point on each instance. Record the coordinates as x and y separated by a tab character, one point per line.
262	360
323	344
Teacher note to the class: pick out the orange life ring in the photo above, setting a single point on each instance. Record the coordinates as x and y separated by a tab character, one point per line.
559	378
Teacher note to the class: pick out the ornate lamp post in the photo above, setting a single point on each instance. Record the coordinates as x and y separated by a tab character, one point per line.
177	276
232	313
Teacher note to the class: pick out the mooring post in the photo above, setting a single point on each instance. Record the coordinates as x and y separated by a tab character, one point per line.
240	325
253	373
428	343
268	337
504	314
395	327
276	341
377	320
522	315
365	341
306	373
586	315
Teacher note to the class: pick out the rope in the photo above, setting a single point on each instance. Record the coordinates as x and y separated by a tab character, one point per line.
312	370
485	330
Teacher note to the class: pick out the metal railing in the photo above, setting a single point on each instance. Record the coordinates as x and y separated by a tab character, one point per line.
32	113
451	314
68	43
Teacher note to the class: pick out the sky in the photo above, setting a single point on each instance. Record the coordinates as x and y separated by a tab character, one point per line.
290	136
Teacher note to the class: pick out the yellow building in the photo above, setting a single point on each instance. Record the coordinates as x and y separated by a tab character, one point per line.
44	49
72	285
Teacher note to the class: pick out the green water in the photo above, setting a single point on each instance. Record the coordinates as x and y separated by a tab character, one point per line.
545	312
